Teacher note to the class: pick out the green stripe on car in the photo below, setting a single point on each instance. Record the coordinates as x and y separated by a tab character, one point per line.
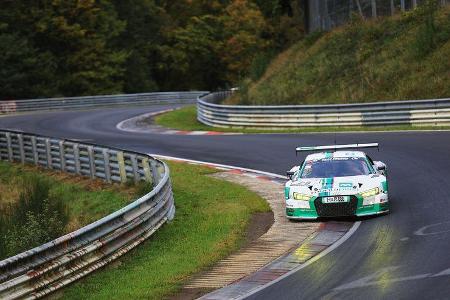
384	185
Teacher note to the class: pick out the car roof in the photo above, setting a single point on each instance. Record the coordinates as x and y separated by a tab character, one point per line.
335	154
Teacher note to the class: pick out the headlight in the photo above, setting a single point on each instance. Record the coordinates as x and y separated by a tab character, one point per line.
371	192
298	196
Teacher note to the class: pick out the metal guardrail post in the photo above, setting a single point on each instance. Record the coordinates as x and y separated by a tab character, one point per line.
146	169
34	150
76	159
107	167
122	170
155	173
9	145
21	150
48	151
134	165
91	161
62	156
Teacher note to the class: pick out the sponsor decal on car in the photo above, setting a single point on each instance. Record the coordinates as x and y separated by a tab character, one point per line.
345	185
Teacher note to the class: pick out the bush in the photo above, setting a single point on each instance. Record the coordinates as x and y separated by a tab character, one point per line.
425	41
35	219
260	64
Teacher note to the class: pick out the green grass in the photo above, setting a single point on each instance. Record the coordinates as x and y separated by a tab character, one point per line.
186	119
182	119
84	201
393	58
210	223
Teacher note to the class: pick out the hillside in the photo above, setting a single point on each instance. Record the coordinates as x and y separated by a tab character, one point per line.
396	58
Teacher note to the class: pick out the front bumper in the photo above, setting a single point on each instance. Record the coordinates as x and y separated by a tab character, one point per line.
317	210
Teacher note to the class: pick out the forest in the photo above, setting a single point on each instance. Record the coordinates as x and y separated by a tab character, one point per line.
90	47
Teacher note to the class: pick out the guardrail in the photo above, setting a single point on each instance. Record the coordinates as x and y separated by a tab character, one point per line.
434	112
98	101
44	269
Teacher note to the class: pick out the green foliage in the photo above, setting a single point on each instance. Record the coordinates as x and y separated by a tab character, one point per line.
243	91
143	33
260	63
429	35
35	219
398	58
37	206
68	41
244	27
70	48
24	70
192	54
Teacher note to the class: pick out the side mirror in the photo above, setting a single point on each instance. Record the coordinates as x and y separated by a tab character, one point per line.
290	174
381	167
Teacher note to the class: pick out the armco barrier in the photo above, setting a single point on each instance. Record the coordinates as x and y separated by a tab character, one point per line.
434	112
97	101
39	271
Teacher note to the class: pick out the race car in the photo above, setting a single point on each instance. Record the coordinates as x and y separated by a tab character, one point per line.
339	181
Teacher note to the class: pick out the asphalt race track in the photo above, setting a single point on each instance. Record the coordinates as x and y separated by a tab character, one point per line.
404	255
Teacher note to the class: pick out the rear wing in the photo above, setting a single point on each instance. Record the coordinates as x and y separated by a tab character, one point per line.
336	147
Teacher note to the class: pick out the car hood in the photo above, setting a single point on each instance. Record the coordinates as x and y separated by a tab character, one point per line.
336	186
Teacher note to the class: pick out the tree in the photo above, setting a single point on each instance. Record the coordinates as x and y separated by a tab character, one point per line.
244	28
141	37
80	34
24	70
89	47
73	36
286	18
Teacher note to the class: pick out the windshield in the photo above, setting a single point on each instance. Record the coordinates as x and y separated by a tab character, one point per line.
335	167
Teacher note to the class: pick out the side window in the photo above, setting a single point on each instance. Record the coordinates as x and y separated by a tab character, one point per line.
371	164
299	172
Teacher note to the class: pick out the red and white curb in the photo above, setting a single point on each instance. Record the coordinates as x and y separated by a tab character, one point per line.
132	125
329	237
233	169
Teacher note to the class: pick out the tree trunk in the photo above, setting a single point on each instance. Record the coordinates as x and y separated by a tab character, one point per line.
374	8
360	9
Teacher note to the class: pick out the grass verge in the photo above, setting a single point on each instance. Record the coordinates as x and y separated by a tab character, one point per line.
31	198
388	58
210	223
186	119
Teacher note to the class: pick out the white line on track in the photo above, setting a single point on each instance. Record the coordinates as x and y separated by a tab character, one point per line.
121	125
309	262
219	165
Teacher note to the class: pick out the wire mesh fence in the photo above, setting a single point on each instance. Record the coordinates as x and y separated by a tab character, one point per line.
326	14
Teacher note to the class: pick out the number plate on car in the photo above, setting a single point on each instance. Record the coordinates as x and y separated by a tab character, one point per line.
335	199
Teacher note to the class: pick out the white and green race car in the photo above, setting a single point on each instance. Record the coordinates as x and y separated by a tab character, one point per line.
337	182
